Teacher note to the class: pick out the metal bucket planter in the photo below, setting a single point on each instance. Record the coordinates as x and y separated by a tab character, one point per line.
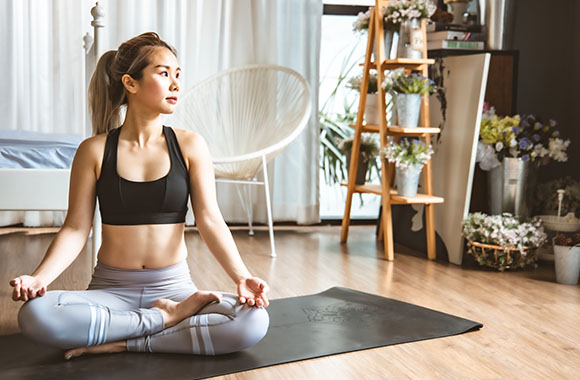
510	187
411	39
391	44
408	109
567	263
408	180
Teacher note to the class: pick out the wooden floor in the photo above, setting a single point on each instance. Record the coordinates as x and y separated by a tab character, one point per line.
531	324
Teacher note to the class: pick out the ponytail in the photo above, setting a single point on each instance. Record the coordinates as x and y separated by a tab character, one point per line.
106	91
106	96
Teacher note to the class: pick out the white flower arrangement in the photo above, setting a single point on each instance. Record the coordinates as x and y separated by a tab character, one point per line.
407	153
507	241
523	137
395	13
503	230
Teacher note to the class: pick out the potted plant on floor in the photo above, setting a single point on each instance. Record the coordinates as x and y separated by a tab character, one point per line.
407	90
369	149
408	156
372	103
511	148
567	258
503	241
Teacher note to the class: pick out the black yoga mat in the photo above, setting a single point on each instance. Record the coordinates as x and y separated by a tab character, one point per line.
335	321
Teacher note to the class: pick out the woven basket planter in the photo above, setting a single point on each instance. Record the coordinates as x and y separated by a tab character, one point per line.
501	258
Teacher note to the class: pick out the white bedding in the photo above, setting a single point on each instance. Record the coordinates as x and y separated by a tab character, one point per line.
34	150
25	149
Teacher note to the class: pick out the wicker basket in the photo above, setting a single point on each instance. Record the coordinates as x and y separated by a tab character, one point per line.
501	258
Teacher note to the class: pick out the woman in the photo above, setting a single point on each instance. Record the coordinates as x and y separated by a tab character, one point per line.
141	296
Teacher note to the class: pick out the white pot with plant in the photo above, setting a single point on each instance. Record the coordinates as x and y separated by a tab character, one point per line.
368	151
408	156
401	25
407	90
567	258
371	105
503	241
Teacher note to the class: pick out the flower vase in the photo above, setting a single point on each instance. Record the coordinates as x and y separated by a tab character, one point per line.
567	264
372	109
408	180
410	39
511	186
408	109
361	169
391	39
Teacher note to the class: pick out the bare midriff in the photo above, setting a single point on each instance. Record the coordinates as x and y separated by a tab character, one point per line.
146	246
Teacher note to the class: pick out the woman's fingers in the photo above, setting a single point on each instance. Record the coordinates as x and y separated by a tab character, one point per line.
242	300
31	293
16	292
42	291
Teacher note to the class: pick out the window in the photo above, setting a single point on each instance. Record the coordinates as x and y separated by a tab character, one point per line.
341	52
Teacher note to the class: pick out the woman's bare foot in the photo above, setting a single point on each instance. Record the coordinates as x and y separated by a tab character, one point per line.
100	349
175	312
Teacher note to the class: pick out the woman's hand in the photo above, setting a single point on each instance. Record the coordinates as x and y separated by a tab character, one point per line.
252	291
27	288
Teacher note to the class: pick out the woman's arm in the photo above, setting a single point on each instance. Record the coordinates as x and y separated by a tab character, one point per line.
211	224
73	235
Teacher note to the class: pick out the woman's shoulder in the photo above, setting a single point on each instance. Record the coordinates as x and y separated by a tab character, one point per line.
188	138
191	143
93	146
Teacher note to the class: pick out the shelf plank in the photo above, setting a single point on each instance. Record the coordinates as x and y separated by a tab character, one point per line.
377	189
413	131
394	130
368	128
418	199
391	64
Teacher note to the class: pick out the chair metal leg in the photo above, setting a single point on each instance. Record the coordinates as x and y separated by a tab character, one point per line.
268	207
246	204
250	209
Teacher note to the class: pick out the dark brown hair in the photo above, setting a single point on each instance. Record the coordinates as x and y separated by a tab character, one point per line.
106	91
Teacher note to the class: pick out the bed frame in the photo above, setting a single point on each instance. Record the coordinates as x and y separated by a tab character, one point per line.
47	189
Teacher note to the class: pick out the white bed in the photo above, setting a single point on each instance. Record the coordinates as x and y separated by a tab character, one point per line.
35	168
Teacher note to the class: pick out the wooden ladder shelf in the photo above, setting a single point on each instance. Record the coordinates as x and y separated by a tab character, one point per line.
389	195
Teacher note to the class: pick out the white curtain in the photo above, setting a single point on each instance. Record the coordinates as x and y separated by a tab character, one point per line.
209	35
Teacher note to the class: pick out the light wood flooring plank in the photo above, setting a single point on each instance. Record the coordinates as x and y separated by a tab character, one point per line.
530	322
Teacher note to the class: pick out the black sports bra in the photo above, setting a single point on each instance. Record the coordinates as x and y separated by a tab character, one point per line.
125	202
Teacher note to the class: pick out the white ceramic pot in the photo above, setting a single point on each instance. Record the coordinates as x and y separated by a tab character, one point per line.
372	109
567	263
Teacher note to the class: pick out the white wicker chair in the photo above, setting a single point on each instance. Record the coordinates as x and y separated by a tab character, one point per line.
247	115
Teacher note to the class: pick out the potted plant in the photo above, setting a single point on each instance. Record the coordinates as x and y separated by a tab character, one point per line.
408	15
510	148
397	13
407	90
503	241
369	149
371	106
567	258
409	156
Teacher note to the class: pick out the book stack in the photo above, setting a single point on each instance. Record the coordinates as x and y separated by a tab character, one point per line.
456	37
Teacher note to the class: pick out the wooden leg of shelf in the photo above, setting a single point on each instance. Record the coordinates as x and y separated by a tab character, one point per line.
388	229
381	234
346	217
430	228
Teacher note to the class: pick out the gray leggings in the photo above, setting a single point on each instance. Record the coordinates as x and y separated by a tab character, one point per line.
117	306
